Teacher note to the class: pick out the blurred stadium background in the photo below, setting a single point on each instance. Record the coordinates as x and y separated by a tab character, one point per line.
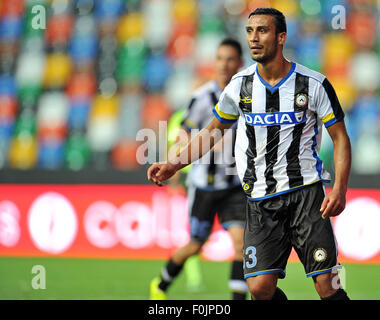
80	78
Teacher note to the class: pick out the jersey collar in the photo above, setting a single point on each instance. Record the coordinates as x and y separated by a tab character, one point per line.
275	87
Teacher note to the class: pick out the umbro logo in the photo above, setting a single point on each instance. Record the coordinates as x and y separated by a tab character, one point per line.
245	99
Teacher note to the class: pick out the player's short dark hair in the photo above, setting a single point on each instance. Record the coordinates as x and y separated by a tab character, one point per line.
233	43
279	17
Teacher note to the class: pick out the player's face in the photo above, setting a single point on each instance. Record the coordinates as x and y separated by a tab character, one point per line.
262	38
227	63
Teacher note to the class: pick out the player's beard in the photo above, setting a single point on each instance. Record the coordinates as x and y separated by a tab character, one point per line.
267	56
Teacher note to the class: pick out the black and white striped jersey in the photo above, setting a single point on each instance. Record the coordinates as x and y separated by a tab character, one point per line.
217	169
279	128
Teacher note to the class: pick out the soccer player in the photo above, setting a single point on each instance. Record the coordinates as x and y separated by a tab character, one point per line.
214	186
280	107
177	184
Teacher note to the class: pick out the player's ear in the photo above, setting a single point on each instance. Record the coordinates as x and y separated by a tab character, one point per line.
281	38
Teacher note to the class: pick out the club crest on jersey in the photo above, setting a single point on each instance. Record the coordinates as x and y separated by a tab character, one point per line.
301	100
320	254
274	118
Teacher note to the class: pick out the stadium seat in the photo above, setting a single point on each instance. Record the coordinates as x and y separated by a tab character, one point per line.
130	26
362	28
157	30
308	48
185	10
23	152
30	69
365	75
77	151
102	134
10	28
123	155
155	108
13	8
156	71
182	40
131	61
59	29
53	107
25	124
8	108
130	116
78	114
83	48
57	70
81	85
51	154
7	85
108	9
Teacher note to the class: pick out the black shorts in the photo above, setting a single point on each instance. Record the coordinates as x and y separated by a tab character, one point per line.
230	205
289	220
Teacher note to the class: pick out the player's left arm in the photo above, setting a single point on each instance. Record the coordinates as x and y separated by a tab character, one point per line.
335	202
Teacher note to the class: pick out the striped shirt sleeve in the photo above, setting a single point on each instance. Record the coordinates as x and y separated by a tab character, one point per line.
226	110
328	107
192	116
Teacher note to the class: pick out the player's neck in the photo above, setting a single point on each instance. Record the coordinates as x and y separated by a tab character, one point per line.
275	70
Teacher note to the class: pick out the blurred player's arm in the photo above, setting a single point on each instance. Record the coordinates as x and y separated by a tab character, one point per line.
182	139
335	202
194	150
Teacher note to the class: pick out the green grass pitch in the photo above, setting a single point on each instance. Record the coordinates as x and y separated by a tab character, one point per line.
92	279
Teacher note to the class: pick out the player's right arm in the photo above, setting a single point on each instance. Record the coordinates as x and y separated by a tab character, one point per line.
226	112
194	150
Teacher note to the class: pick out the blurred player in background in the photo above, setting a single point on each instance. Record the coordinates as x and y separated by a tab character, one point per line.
280	107
177	185
214	187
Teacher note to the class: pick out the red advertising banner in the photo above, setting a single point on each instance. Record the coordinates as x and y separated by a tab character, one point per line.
144	222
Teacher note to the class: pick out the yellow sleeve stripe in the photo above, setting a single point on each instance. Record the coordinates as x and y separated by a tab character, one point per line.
190	124
328	117
226	115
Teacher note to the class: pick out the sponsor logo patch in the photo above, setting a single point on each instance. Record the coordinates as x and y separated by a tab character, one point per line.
274	118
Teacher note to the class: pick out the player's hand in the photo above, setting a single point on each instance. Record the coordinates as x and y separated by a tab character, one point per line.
159	172
333	204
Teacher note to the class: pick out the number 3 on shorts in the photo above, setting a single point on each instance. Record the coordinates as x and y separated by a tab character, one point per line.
250	252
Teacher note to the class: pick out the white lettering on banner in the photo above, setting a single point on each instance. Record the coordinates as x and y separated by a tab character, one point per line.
357	229
9	224
137	225
162	213
179	221
52	223
133	225
99	224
